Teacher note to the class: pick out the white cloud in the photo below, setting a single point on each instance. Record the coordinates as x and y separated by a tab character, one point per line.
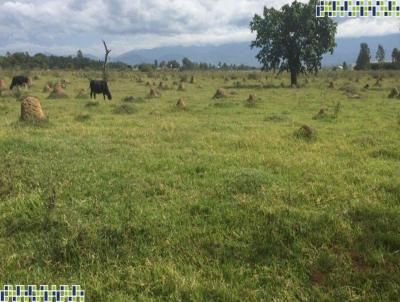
64	26
359	27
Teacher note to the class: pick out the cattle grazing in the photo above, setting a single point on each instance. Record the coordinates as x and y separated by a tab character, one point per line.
99	87
20	81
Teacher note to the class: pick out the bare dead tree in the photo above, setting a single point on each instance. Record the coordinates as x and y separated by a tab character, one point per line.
105	61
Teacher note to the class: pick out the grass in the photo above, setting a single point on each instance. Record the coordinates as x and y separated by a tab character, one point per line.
219	203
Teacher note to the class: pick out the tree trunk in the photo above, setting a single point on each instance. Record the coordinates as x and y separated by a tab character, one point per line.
107	52
293	78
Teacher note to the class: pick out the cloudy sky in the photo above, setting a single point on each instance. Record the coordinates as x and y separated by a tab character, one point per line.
63	26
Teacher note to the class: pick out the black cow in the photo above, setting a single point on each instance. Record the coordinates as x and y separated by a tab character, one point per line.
20	81
99	87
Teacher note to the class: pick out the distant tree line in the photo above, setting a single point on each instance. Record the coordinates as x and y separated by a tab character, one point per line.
187	64
364	59
40	61
24	60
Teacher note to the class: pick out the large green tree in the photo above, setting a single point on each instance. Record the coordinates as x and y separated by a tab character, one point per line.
364	57
293	39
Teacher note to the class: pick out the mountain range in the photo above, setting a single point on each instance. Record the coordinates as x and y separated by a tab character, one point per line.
240	53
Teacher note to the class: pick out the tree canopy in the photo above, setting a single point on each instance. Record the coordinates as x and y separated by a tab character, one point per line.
293	39
364	57
380	54
395	55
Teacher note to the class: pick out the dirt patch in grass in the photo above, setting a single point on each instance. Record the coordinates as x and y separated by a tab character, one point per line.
92	104
317	277
276	118
386	154
125	109
83	117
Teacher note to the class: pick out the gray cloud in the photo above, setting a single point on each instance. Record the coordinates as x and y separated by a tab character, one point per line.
64	26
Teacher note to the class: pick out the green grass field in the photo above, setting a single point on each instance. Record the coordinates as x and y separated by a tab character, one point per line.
137	200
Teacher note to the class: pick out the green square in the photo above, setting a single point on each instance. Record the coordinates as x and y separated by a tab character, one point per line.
389	14
342	14
378	14
398	14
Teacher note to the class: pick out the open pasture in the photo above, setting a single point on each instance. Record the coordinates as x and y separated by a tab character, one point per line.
221	199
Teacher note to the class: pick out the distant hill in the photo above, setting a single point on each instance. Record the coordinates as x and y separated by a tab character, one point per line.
240	53
92	57
234	53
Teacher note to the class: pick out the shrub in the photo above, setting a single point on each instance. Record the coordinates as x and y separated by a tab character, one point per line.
305	132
